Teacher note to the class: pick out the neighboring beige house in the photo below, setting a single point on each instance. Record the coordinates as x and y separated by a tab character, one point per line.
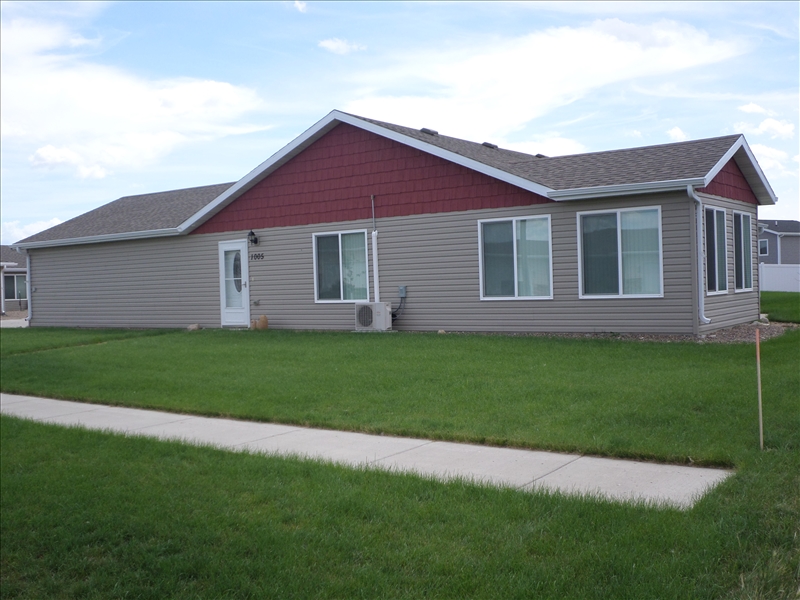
779	255
455	235
13	268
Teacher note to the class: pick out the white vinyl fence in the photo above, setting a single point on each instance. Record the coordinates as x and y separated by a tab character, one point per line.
779	278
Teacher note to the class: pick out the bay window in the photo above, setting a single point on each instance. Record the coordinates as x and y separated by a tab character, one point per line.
742	252
716	255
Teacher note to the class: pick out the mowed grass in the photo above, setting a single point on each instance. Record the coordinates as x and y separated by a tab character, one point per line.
783	307
47	338
676	402
90	515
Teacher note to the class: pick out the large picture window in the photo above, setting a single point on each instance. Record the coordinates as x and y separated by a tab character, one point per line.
620	253
716	255
516	258
340	265
742	252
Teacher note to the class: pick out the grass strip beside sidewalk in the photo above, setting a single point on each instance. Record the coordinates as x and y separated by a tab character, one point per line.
671	402
91	515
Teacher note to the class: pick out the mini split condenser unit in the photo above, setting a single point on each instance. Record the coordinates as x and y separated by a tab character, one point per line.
374	316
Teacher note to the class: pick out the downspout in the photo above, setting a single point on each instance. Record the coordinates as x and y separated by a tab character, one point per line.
28	286
701	300
375	254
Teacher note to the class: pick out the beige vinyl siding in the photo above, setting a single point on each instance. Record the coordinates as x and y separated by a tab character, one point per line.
732	307
163	282
174	282
436	257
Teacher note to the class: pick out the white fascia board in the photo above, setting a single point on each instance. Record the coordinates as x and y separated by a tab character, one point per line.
624	189
97	239
316	130
253	176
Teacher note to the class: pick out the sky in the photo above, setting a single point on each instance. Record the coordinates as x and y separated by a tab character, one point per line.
104	100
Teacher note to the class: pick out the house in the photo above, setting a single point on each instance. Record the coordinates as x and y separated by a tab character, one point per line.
779	255
779	242
13	276
472	237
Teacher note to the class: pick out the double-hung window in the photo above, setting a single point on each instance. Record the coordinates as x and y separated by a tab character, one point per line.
742	252
763	247
340	266
716	255
515	258
620	253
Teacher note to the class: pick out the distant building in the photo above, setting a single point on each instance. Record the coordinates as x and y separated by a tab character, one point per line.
13	267
779	242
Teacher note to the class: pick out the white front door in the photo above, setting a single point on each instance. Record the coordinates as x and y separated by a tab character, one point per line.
234	292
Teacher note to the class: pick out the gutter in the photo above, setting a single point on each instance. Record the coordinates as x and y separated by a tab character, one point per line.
701	300
604	191
97	239
29	288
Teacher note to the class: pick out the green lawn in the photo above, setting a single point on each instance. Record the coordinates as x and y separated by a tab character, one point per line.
90	515
783	307
677	402
85	514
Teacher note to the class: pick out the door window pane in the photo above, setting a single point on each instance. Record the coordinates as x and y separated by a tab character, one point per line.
233	279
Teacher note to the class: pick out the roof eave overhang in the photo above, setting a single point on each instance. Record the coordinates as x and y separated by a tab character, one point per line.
99	239
322	127
746	161
630	189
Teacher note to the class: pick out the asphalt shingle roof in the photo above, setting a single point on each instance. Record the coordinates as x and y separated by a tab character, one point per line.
781	226
145	212
666	162
9	255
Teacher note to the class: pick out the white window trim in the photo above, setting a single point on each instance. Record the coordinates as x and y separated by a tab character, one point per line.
751	288
617	211
766	245
514	221
341	283
716	209
24	286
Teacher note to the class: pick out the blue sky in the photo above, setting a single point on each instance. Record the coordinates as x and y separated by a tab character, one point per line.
103	100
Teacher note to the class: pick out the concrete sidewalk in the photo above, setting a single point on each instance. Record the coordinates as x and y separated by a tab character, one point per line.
13	323
618	480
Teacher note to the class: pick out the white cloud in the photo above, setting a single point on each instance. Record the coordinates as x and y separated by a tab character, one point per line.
12	231
772	161
677	135
301	6
771	127
488	88
92	118
752	107
338	46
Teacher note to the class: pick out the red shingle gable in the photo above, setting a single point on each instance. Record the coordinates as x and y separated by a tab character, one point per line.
731	183
332	180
